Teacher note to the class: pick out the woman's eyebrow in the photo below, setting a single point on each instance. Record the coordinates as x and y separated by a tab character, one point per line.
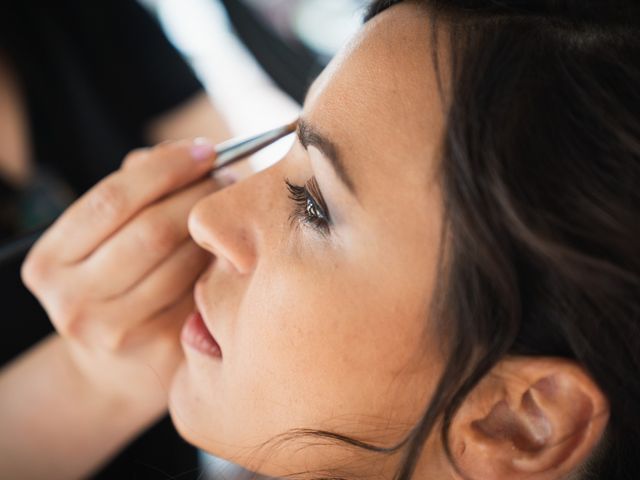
311	137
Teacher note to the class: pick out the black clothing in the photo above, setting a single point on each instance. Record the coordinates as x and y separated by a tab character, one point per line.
93	74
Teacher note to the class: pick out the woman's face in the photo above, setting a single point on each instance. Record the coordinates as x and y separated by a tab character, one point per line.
320	305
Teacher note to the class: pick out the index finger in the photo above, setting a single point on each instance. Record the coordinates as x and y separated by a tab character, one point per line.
111	202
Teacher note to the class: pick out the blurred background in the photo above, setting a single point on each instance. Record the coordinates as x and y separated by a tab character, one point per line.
257	58
82	83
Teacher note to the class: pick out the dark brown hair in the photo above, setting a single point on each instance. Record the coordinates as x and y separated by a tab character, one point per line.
541	176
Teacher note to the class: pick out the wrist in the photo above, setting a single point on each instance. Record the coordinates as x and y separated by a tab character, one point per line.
130	390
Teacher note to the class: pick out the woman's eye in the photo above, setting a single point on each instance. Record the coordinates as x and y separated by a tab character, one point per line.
309	206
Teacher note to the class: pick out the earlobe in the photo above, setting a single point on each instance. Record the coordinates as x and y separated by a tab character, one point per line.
534	418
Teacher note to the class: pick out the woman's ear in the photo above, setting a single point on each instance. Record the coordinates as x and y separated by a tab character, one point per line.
531	417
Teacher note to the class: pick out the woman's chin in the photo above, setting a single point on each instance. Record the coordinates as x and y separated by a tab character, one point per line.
182	407
191	415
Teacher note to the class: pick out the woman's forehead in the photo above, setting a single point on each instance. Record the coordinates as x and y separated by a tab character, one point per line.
378	99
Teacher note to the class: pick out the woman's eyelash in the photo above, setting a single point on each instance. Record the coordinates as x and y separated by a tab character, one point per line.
309	206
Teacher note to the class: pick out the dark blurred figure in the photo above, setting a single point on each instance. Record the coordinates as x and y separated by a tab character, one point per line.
81	84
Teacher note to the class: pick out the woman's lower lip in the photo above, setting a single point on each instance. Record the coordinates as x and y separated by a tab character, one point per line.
195	335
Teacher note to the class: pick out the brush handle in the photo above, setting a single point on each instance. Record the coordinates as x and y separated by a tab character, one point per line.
232	151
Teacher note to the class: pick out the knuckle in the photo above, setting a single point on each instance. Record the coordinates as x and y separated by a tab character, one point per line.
170	176
135	157
68	328
173	167
67	316
113	340
108	199
33	271
166	147
158	235
64	309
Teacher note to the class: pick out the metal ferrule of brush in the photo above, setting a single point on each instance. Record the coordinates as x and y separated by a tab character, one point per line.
229	152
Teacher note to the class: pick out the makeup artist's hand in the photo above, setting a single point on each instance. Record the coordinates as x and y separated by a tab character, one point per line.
115	272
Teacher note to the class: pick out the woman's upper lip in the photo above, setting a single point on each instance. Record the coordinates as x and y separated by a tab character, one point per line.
197	298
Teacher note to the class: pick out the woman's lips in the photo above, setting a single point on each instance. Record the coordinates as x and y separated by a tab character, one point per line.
196	335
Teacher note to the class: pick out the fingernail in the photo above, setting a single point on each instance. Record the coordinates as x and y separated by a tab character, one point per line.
202	149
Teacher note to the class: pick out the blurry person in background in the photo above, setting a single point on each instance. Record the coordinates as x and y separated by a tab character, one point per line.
81	84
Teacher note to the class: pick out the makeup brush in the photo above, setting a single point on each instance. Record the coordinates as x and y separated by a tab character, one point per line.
231	151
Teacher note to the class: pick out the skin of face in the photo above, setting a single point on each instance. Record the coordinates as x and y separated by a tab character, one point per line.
327	331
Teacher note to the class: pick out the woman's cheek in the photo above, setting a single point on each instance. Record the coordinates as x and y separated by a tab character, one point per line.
286	338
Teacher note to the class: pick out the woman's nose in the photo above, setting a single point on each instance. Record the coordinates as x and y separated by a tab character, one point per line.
224	223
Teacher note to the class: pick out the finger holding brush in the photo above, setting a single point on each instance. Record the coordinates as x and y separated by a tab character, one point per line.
115	272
